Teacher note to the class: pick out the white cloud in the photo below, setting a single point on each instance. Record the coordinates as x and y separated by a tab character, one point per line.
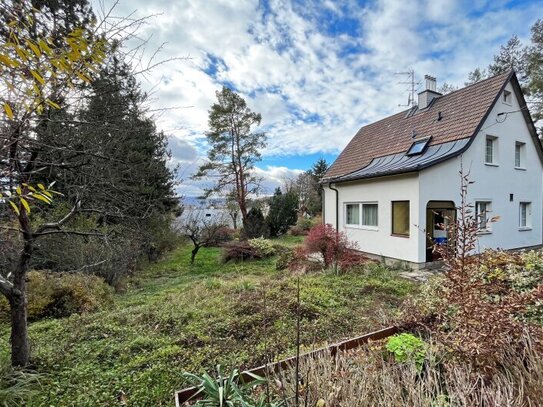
312	93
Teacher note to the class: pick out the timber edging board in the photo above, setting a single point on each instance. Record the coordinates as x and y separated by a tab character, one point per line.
189	393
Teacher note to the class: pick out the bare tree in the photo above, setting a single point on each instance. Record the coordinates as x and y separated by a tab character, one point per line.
201	230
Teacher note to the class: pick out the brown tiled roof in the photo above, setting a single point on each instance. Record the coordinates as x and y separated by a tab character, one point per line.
462	111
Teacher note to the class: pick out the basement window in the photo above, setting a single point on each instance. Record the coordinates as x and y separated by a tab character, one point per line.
418	146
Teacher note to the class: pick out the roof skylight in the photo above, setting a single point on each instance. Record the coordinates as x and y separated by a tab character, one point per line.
418	146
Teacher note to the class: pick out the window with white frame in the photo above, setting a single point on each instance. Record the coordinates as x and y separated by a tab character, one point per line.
361	214
370	214
525	215
491	150
482	210
519	154
352	214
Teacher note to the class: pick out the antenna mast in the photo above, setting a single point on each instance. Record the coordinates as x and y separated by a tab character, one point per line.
412	89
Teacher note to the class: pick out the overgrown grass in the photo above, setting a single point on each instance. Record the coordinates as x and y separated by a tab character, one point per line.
176	318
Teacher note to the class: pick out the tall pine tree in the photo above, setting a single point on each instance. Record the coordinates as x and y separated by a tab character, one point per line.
234	148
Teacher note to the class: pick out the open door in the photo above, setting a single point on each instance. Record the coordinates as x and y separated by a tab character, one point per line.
438	215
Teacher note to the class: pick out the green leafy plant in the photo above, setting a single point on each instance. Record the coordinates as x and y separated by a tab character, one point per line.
263	246
225	390
407	348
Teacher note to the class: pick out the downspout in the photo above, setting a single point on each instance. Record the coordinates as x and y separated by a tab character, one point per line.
337	204
337	223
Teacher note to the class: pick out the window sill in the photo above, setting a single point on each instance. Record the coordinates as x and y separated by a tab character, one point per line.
484	232
492	164
520	168
398	235
362	227
524	229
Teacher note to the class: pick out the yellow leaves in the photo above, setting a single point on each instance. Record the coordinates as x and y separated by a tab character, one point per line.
25	204
9	112
21	52
14	207
42	198
33	68
83	77
25	194
5	60
35	49
52	104
37	76
45	48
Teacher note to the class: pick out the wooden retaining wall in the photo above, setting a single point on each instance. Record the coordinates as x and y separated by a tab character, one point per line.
187	394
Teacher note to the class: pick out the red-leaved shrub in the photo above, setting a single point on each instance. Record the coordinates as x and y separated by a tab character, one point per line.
330	244
238	251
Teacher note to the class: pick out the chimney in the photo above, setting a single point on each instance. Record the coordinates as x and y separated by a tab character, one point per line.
429	94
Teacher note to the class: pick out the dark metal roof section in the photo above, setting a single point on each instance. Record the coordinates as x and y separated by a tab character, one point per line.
401	163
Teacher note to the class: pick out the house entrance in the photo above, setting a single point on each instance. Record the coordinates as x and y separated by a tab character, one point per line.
438	215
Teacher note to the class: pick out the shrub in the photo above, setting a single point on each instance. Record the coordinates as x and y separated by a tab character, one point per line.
407	347
483	303
350	259
297	231
303	226
263	247
283	212
112	261
221	236
238	251
255	225
331	245
302	260
56	295
284	257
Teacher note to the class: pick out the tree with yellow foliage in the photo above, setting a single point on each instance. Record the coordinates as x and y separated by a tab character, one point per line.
37	74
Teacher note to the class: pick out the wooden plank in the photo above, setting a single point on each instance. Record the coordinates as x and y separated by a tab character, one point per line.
189	393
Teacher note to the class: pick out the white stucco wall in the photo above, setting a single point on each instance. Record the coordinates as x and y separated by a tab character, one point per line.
442	183
384	190
494	183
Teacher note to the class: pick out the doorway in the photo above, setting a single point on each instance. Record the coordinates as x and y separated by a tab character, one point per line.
439	214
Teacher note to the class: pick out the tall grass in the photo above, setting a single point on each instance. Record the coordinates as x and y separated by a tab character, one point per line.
369	378
16	386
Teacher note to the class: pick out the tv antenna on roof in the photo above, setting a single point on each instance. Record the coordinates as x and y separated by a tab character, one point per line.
412	89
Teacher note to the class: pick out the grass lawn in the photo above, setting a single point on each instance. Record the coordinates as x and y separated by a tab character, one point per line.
175	318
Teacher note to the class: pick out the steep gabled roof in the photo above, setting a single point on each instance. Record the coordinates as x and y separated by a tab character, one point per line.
448	119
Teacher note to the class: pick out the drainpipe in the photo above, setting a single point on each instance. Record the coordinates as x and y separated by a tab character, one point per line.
337	224
337	204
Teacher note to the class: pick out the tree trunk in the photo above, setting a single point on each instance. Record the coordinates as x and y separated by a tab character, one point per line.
20	349
193	254
234	217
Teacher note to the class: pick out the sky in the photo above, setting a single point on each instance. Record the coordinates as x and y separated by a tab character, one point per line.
316	70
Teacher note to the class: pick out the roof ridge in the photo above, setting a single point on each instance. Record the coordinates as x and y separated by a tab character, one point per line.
461	117
507	73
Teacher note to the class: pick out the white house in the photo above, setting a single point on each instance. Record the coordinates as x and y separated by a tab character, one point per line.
398	178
